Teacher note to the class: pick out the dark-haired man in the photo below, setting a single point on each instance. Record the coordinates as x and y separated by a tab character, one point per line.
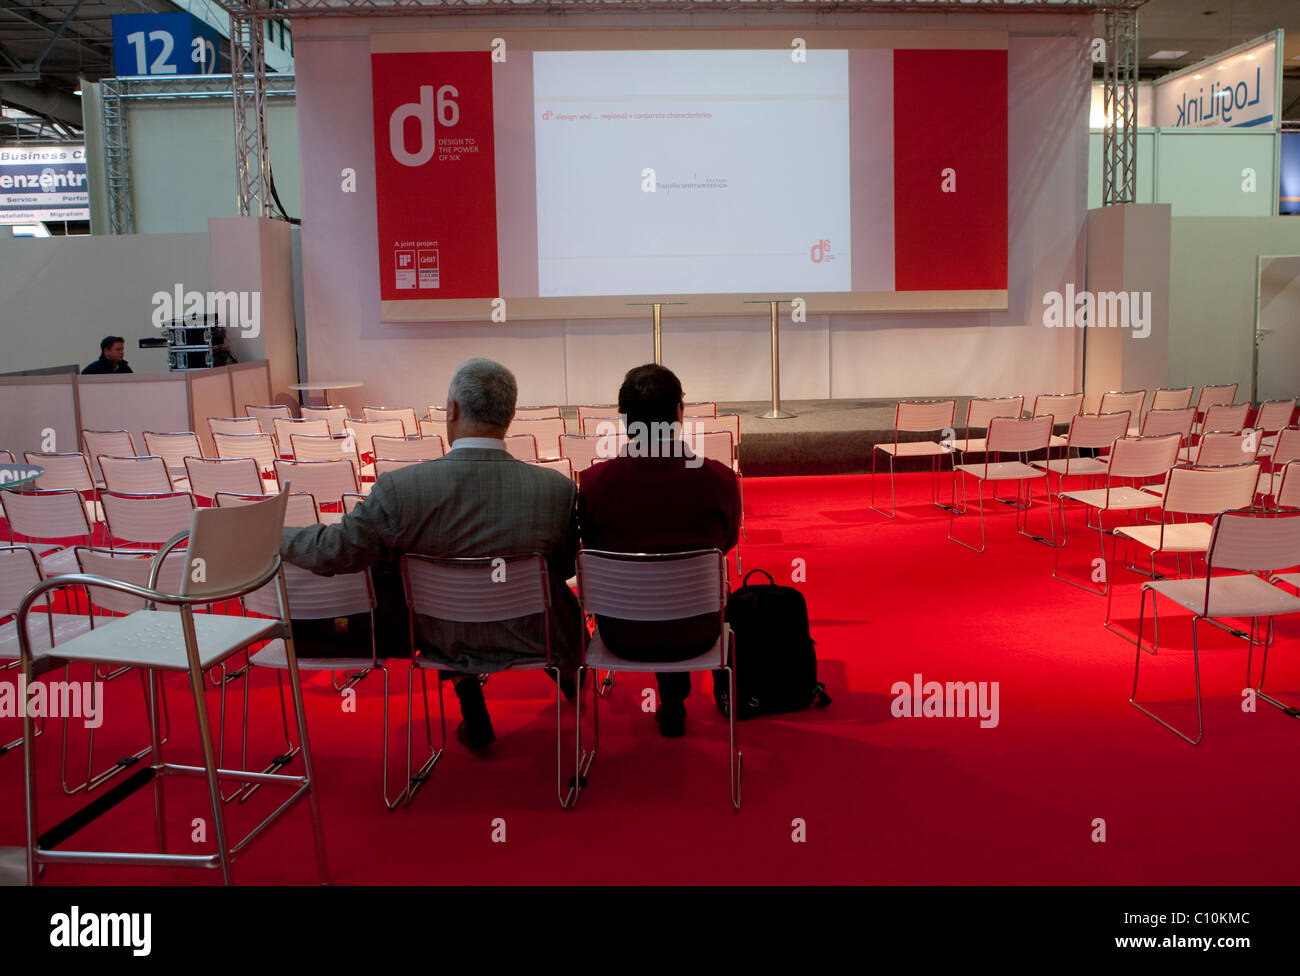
111	351
656	496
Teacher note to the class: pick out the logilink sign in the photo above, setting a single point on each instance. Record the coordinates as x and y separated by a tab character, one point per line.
1236	89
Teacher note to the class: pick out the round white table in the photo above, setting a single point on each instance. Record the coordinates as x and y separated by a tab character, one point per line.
324	387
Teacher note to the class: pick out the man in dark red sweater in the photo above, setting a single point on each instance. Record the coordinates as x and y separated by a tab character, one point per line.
658	497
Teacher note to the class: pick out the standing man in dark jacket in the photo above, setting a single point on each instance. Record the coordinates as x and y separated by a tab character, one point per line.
657	496
111	351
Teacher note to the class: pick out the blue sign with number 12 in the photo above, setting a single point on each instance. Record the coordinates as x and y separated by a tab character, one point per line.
165	44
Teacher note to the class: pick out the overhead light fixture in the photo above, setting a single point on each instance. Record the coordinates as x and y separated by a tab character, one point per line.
1198	77
1250	57
77	93
1166	55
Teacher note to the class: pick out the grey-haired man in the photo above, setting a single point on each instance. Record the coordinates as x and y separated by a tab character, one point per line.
478	500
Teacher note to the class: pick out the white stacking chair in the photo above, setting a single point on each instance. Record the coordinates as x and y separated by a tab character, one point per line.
435	428
352	499
174	447
1190	492
1087	432
603	424
708	424
334	416
285	428
268	414
328	482
917	417
1249	542
240	476
316	447
1285	450
299	511
718	445
522	413
546	431
407	448
563	465
1214	396
260	447
1113	401
522	446
384	465
700	408
313	597
67	472
473	590
1272	418
117	443
234	425
436	413
583	451
6	457
599	411
41	518
1224	416
1171	420
1288	493
365	431
135	475
1167	398
1061	406
404	415
239	549
1021	438
1219	447
147	520
653	587
980	412
1132	459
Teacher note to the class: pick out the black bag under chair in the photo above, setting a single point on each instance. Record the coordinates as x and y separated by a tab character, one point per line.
776	658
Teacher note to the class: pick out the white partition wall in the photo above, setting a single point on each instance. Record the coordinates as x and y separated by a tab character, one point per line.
248	384
38	413
134	403
209	396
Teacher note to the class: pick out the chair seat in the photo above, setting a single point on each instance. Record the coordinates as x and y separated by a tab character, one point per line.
1241	595
600	656
1269	484
914	449
153	639
66	626
1073	466
1179	536
1058	440
425	664
970	445
1002	471
275	655
1121	499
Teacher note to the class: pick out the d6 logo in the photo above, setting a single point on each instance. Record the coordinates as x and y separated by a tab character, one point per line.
446	113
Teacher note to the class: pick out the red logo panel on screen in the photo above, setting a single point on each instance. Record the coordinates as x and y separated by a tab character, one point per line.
950	170
435	175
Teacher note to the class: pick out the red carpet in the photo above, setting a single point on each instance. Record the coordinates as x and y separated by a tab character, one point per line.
883	799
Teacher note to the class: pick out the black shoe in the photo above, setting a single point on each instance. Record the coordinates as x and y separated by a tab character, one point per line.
475	731
476	734
672	721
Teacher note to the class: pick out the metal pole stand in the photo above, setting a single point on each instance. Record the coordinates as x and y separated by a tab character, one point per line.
776	412
658	330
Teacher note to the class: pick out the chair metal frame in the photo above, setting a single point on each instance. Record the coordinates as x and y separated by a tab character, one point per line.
1022	504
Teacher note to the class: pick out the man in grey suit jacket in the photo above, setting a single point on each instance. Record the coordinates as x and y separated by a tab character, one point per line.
478	500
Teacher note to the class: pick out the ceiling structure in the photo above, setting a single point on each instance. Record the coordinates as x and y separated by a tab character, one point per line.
48	46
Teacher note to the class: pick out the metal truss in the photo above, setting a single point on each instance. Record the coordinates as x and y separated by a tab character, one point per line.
248	88
1119	100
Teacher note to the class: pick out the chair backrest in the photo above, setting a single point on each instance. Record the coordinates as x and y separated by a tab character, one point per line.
1097	430
477	590
1287	448
266	415
1217	448
352	498
436	413
62	471
562	465
20	570
1114	401
522	446
233	425
327	447
209	476
1254	541
728	422
582	450
313	597
7	457
286	427
700	408
327	481
1213	396
135	475
365	430
546	432
1209	491
1171	398
605	411
1148	456
435	428
1288	495
300	510
129	566
334	416
57	514
389	448
173	447
117	443
598	424
1062	406
1274	414
236	545
639	586
146	519
716	445
981	410
404	415
260	447
1010	435
1226	416
385	465
526	413
1171	420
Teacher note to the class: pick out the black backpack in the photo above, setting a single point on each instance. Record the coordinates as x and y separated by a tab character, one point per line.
775	657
